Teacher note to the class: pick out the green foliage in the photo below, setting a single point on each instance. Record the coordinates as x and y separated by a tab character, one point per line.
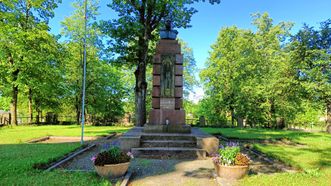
190	68
249	75
228	155
133	35
113	155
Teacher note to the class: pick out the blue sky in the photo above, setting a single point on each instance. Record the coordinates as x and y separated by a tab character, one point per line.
211	18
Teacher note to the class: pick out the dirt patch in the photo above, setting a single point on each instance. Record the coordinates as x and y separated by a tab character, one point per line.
69	139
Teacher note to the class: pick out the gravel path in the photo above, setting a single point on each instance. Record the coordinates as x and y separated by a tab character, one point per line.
83	162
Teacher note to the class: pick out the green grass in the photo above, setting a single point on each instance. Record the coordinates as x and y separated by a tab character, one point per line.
21	134
312	156
17	158
259	134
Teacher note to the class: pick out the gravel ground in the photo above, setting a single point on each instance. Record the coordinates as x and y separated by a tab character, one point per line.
83	162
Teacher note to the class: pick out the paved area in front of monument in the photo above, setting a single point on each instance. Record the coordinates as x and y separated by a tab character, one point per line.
154	172
169	171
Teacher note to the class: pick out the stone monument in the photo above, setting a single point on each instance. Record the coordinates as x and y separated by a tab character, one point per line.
167	114
166	135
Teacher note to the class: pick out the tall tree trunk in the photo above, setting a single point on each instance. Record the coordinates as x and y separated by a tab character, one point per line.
13	102
13	105
77	106
38	111
232	116
141	84
328	116
272	114
140	96
30	107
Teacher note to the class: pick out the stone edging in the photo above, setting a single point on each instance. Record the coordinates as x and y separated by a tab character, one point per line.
37	140
126	179
70	157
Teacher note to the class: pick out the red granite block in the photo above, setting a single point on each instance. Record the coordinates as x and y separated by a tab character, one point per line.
179	92
157	59
178	103
168	47
156	91
179	59
156	80
179	70
157	69
154	117
156	103
178	81
159	117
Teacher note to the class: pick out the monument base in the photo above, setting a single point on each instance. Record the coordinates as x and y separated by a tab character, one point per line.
167	129
196	144
167	116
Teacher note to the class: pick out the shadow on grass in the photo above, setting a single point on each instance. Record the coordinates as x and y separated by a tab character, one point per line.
260	134
324	157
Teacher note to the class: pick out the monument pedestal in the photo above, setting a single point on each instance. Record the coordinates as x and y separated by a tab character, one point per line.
167	114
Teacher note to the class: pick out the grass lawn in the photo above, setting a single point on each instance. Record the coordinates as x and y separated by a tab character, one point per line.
255	133
312	156
17	158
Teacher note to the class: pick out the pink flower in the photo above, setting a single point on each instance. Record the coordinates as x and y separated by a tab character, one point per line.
93	158
130	154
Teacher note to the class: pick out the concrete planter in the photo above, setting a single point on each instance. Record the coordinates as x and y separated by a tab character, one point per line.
231	172
112	170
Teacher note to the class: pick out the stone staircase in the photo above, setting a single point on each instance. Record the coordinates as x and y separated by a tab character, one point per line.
165	146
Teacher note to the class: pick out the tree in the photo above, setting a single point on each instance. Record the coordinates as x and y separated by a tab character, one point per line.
249	74
311	56
190	68
104	87
134	32
19	20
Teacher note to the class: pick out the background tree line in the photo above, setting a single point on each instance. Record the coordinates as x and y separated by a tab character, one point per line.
268	77
41	72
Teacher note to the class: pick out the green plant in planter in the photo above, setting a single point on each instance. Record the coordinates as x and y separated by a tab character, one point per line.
113	155
230	155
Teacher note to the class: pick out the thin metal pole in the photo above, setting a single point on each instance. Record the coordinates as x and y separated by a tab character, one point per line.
84	75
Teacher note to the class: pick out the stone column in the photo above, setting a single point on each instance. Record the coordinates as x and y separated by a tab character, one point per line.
167	93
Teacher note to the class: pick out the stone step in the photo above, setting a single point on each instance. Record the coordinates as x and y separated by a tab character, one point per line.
168	143
169	152
168	137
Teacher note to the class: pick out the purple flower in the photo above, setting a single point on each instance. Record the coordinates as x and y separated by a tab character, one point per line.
130	155
93	158
232	144
105	146
221	146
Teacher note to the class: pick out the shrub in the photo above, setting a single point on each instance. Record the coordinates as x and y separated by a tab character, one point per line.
113	155
230	155
241	160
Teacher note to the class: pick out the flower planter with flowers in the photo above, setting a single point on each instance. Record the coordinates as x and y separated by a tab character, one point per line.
112	163
229	163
